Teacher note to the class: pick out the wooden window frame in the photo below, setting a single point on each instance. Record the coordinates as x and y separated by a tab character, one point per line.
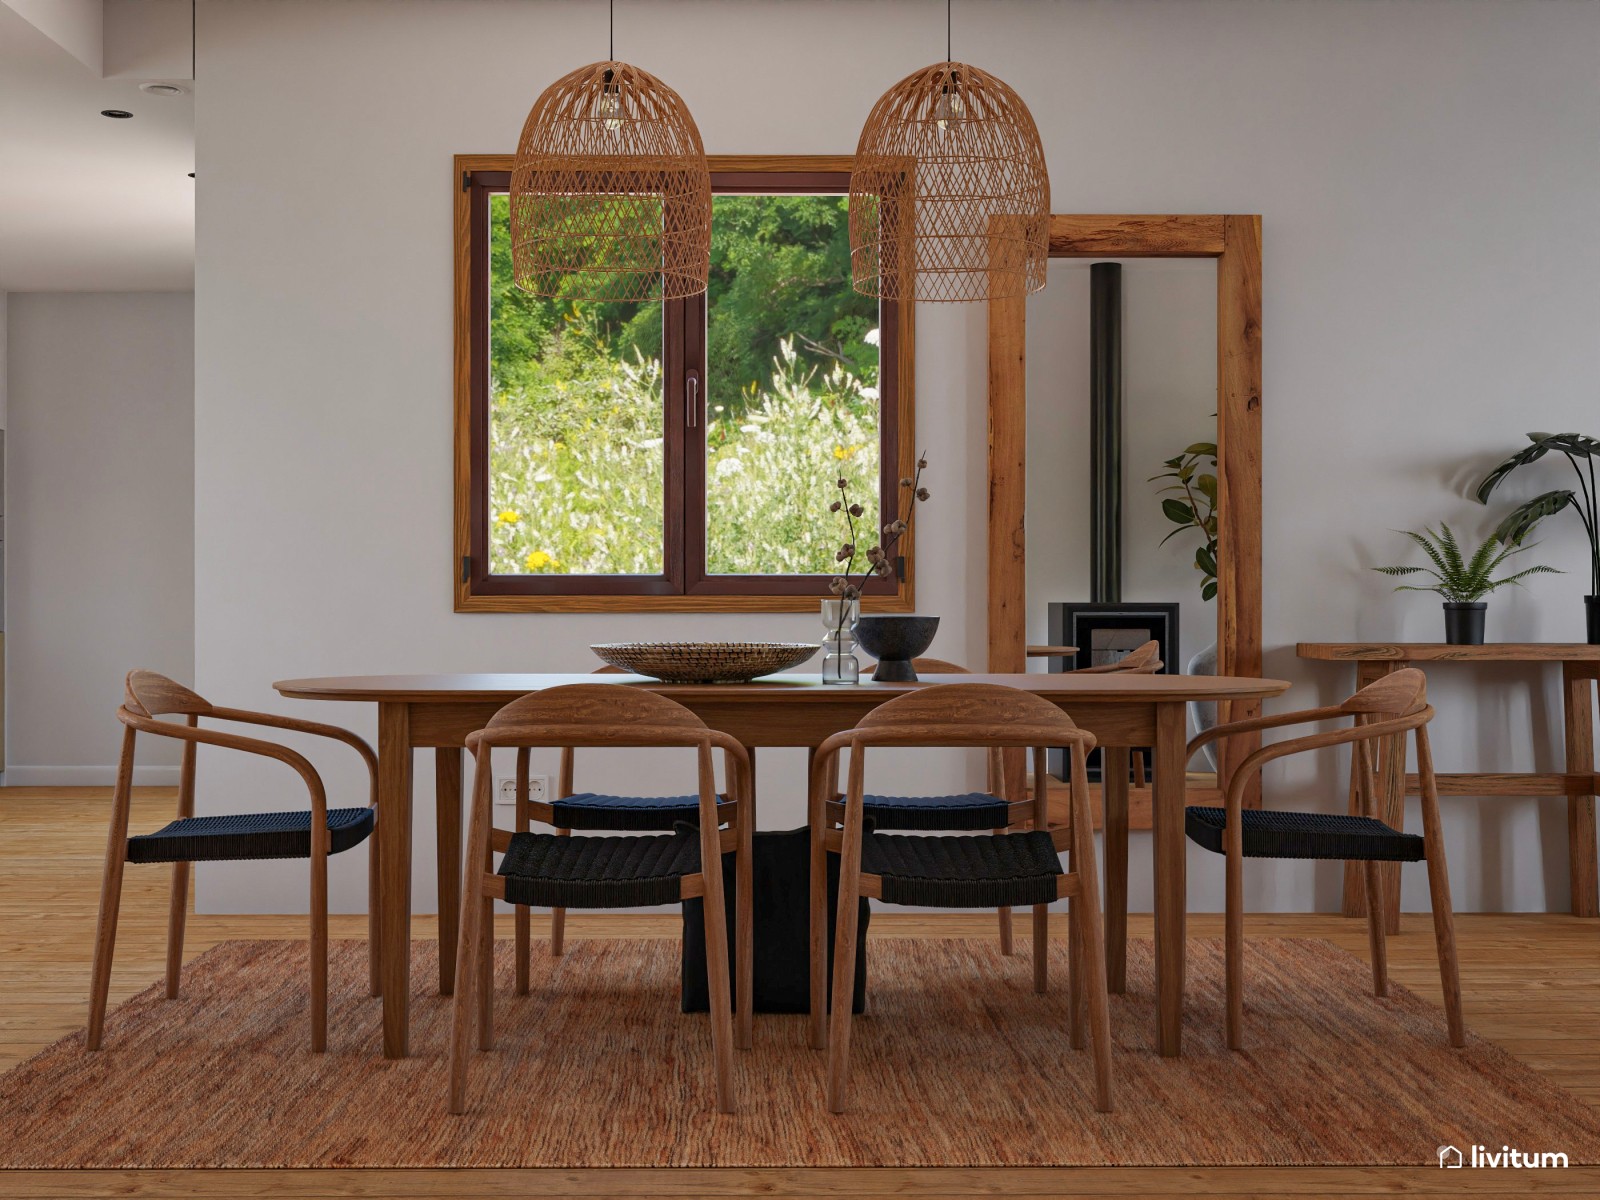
681	588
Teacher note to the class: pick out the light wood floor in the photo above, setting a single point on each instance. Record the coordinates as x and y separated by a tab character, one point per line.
1532	984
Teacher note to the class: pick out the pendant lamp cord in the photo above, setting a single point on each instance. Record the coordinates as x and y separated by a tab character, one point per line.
611	49
947	30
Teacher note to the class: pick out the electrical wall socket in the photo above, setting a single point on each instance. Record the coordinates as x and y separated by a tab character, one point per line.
505	788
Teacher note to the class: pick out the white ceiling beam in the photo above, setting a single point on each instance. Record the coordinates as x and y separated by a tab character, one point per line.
77	26
147	39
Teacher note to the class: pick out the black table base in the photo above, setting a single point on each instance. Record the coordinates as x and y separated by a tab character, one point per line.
782	929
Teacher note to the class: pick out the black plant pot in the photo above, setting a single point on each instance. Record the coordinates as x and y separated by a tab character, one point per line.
1463	624
894	639
1592	605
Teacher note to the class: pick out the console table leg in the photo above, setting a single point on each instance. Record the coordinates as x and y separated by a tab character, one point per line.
1577	702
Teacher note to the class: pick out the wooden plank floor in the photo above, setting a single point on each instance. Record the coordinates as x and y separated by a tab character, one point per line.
1532	983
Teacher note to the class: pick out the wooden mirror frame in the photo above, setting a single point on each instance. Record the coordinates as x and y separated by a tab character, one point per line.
1235	242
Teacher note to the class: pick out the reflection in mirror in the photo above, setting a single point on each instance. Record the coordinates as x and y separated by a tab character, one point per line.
1168	340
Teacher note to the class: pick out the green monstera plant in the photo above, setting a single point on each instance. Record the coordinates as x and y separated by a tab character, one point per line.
1188	477
1580	453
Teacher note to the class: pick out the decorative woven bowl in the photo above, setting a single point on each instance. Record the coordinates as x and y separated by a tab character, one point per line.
705	662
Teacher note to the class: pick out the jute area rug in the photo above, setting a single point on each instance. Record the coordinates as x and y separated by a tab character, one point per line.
958	1063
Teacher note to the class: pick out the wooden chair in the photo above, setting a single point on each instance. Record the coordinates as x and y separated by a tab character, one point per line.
554	870
983	870
924	666
1389	708
593	812
965	810
314	834
1141	660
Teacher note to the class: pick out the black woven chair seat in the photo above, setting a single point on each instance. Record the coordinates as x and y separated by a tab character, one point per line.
1270	834
971	810
638	814
549	871
957	871
248	835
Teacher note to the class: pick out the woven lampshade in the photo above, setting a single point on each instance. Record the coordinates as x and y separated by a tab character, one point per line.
610	192
949	195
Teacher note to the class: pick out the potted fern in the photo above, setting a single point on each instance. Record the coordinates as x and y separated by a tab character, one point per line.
1585	501
1463	581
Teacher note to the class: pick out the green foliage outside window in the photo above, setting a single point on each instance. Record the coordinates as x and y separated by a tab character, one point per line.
576	438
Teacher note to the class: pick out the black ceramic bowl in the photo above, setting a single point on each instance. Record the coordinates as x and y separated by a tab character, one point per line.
894	639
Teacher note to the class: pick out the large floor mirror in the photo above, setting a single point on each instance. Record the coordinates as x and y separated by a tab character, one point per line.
1146	346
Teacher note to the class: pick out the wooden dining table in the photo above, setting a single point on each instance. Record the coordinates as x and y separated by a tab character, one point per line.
438	712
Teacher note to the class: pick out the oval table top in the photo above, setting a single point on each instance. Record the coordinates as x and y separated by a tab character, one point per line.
783	689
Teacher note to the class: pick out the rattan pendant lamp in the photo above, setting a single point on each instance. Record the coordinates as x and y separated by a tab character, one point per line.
610	191
949	195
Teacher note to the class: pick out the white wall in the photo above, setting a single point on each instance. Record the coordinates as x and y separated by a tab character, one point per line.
1421	168
99	523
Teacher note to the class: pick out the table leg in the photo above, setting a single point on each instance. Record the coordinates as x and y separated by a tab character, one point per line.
394	847
1167	797
744	909
1577	684
447	824
1114	794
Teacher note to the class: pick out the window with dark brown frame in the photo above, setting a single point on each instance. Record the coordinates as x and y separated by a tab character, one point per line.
679	401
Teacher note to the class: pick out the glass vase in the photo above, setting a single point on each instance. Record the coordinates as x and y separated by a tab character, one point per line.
839	663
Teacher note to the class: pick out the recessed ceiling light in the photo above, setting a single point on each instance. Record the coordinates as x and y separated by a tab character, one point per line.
163	89
118	113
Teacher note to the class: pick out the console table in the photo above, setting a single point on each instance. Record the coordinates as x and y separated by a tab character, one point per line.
1580	674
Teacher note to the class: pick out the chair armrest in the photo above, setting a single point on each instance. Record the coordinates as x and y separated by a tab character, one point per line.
234	741
1305	716
825	762
1317	741
740	777
317	729
731	747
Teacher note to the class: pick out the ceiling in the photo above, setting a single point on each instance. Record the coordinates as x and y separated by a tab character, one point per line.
89	203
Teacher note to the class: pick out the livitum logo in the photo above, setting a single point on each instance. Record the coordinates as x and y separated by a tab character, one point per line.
1507	1156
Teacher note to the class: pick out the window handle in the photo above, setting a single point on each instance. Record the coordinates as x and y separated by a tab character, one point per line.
691	404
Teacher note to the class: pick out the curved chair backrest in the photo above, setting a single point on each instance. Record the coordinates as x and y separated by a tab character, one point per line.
937	666
970	714
148	694
1142	660
926	666
1398	694
595	704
